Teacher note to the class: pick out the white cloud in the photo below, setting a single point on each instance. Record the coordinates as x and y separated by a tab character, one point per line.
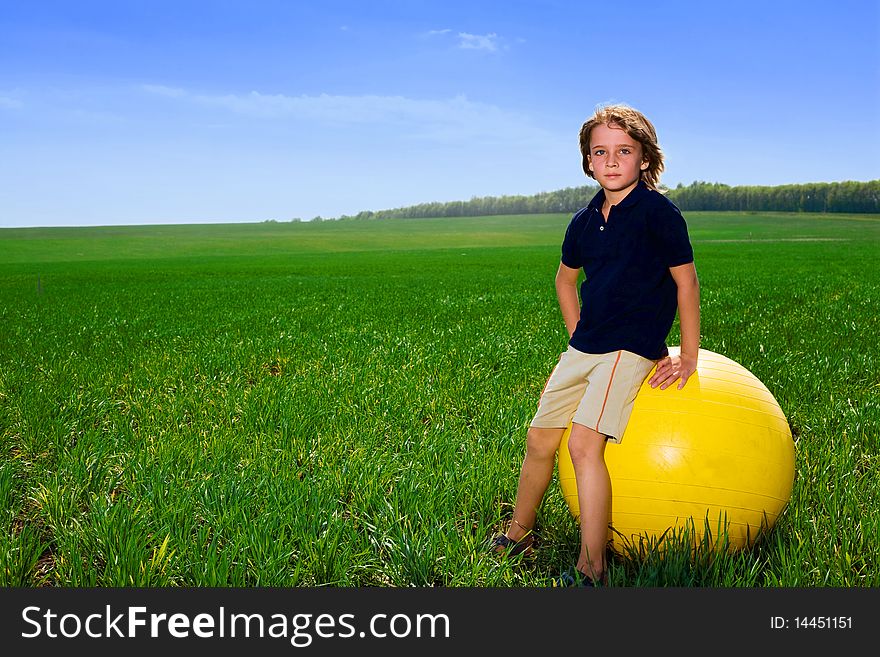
161	90
490	42
450	118
478	41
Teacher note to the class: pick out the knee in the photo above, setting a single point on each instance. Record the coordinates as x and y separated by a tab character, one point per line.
586	447
542	443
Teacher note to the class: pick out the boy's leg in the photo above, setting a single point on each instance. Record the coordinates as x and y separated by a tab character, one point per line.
534	478
559	399
587	449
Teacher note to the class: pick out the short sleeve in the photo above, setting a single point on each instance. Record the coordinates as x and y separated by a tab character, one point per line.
571	253
670	230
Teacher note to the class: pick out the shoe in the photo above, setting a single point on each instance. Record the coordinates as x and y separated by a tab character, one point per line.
501	544
576	578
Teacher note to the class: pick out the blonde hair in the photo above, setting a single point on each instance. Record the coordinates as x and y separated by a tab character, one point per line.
637	126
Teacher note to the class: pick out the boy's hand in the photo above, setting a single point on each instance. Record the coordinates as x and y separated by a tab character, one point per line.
671	369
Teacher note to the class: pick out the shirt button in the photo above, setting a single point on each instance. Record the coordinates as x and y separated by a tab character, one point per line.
601	227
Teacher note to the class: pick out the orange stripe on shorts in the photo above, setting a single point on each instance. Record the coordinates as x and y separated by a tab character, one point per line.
607	391
548	381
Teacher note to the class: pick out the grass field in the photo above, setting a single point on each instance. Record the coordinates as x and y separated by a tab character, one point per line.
345	403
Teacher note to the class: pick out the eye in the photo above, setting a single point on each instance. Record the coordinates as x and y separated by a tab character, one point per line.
599	152
625	151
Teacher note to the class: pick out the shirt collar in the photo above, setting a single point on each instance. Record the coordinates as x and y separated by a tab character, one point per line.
630	199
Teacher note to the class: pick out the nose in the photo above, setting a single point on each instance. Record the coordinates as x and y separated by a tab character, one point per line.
612	160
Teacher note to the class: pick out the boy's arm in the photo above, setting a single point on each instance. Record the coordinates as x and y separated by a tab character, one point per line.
671	368
566	292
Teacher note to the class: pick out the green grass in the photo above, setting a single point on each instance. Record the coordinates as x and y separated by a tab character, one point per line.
346	403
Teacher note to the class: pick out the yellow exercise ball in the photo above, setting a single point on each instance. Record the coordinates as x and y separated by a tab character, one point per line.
720	449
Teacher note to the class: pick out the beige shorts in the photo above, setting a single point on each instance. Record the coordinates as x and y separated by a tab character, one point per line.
595	390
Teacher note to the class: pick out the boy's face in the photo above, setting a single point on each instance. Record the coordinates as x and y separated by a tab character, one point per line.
616	159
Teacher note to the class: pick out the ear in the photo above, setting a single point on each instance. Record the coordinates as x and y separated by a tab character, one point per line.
644	166
590	163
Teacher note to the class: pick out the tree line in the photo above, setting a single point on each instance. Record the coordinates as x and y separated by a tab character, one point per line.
849	196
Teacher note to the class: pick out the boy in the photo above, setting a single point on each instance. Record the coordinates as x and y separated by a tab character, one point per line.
633	246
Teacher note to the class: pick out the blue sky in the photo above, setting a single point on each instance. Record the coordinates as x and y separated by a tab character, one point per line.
190	112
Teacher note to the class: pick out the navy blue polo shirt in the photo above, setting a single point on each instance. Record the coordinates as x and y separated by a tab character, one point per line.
628	298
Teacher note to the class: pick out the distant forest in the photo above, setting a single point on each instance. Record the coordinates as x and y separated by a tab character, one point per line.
848	196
